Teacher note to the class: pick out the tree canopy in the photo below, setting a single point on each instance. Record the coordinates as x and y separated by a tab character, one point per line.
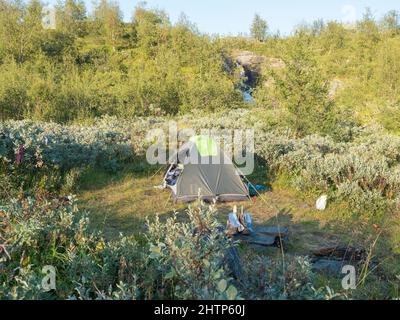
259	28
96	64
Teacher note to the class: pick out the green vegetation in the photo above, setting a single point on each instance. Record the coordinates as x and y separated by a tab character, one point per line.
161	265
98	65
93	65
259	28
76	103
104	163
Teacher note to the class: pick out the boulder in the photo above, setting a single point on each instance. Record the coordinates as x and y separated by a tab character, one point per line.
248	59
253	65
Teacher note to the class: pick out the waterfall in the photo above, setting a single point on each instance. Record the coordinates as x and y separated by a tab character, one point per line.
243	86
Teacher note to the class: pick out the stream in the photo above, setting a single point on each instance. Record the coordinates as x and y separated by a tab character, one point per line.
244	87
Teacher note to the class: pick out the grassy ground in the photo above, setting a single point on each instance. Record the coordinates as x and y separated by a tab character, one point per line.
120	203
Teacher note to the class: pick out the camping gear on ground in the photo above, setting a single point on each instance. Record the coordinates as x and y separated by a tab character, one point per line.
254	190
248	222
239	227
245	220
234	225
265	236
321	203
201	170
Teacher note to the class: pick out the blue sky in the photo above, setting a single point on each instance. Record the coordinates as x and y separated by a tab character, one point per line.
232	17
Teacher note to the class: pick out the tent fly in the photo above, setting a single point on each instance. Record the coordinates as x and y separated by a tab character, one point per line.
201	170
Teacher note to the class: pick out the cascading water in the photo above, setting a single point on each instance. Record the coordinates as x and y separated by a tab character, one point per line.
243	86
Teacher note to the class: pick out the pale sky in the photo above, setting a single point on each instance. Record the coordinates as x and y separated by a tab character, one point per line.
233	17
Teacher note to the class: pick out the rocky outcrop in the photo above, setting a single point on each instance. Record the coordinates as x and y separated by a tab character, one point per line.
254	65
248	59
251	64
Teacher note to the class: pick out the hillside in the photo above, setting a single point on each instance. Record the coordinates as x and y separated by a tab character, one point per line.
77	192
98	65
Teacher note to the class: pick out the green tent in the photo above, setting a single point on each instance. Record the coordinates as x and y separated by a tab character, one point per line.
201	170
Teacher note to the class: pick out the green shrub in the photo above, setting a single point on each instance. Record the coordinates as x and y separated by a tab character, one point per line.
368	164
190	256
172	260
283	279
14	98
177	260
